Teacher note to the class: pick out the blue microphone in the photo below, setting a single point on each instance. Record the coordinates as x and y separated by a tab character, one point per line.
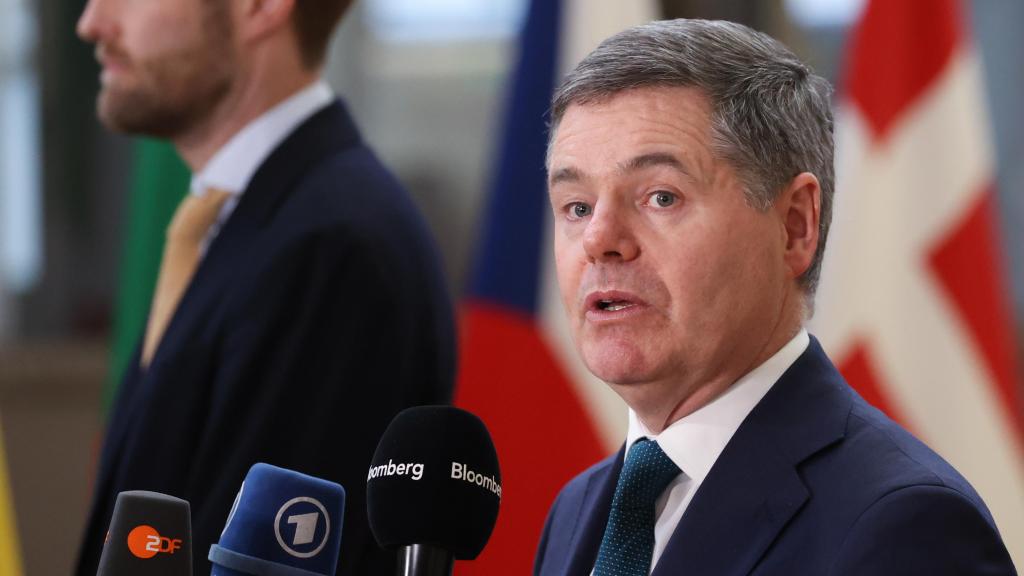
282	523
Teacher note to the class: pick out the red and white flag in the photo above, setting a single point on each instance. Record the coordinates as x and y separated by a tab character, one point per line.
913	304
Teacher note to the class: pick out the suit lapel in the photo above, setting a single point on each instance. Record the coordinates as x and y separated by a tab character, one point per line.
754	489
593	515
742	504
121	419
326	132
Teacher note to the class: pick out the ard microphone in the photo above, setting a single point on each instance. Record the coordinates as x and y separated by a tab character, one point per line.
282	523
150	535
433	489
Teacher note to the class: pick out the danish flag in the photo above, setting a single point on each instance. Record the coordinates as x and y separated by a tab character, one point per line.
912	306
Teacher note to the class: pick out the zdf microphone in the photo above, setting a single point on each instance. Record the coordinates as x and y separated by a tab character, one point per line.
282	522
150	534
434	488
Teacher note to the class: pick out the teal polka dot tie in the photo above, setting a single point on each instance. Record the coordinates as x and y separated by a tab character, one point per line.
629	536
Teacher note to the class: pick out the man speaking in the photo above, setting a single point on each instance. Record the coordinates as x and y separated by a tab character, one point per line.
691	180
299	304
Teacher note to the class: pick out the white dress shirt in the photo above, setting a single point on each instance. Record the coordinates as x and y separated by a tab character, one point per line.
695	441
233	166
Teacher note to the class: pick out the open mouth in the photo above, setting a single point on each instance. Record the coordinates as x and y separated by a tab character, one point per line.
613	305
608	304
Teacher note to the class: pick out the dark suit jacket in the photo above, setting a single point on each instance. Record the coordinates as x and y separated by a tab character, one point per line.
318	312
815	481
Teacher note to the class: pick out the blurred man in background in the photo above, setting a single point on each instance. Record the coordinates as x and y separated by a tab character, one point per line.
691	180
299	304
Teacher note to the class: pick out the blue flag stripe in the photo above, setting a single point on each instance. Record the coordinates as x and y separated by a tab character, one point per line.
508	262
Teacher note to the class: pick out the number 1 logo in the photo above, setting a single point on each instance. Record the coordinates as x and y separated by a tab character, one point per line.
305	527
301	520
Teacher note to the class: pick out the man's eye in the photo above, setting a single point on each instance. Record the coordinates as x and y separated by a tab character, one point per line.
579	210
663	199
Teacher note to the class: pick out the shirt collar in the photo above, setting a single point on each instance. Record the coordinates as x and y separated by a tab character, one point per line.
234	165
695	441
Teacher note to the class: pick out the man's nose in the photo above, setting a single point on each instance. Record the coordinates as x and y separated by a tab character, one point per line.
609	235
94	24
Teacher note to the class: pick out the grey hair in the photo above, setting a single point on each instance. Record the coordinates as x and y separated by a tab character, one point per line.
771	115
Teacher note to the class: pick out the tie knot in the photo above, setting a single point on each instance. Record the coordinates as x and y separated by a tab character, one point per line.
645	474
195	215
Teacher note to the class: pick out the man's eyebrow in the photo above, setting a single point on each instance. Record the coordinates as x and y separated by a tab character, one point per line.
572	174
653	159
567	174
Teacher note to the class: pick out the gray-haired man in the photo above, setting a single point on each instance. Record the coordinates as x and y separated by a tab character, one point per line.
690	176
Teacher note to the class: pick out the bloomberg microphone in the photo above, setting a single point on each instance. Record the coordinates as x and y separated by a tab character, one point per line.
150	534
282	523
433	489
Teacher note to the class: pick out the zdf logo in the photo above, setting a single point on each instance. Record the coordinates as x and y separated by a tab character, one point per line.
145	542
302	526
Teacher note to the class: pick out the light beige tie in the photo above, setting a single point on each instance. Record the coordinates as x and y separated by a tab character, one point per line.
192	221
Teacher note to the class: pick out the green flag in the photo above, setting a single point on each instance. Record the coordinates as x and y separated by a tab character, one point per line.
159	182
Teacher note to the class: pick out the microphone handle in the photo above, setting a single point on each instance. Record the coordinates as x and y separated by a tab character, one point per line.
424	560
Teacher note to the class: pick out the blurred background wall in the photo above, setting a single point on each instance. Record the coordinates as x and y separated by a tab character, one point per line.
425	80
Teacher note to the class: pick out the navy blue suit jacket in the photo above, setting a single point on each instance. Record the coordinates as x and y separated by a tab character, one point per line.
815	481
318	313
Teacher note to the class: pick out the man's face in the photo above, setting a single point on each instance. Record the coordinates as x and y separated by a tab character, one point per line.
666	273
166	63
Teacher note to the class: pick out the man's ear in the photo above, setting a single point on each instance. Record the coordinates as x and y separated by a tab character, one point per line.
262	17
799	208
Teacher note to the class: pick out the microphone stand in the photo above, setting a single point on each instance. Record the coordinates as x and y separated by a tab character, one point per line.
424	560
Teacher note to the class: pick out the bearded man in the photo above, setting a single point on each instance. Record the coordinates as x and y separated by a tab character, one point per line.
299	304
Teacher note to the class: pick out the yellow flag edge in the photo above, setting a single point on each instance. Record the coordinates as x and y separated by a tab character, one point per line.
10	548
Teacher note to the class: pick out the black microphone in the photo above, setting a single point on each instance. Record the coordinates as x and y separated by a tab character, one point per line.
282	523
433	489
150	534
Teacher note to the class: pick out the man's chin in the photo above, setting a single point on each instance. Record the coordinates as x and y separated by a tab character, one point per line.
618	365
134	115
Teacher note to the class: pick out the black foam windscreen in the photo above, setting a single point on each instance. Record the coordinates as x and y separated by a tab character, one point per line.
434	480
150	533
